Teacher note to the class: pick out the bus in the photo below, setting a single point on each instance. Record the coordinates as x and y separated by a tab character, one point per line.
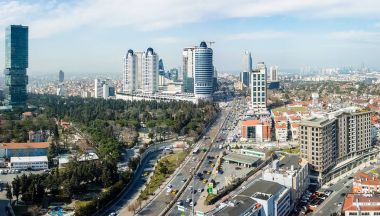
196	150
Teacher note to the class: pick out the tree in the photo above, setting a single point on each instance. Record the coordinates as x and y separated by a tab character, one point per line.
9	192
16	185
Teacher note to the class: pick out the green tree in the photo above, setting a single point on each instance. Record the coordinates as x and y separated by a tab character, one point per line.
9	192
16	185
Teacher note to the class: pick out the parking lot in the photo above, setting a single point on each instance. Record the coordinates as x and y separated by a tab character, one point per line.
8	176
310	201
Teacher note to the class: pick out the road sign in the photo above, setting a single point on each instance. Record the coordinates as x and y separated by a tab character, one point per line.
181	208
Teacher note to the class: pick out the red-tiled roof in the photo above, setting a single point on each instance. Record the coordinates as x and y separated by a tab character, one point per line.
356	202
24	145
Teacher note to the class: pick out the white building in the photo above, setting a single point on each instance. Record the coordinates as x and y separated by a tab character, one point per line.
274	198
188	69
281	130
203	72
140	71
247	61
61	90
259	88
98	91
24	163
291	172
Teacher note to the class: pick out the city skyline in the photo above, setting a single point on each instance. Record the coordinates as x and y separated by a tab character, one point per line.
84	37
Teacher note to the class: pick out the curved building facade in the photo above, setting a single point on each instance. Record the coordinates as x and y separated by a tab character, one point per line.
203	72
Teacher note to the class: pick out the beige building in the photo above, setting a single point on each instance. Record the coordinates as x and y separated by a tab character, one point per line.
318	143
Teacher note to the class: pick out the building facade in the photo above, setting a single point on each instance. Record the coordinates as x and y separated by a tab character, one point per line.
256	130
141	71
318	137
16	64
273	73
188	69
259	88
203	72
26	163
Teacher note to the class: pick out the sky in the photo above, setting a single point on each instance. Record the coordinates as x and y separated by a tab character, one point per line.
91	36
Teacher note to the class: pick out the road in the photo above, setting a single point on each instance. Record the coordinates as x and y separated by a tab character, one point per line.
334	202
192	191
136	184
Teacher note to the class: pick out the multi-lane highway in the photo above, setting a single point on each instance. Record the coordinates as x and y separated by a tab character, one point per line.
203	175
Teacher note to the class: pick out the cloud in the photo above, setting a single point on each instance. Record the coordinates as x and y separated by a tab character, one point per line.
357	36
48	18
259	35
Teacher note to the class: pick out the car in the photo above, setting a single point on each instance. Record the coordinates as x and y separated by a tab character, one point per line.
174	192
192	203
212	165
340	204
237	168
112	214
169	186
168	190
184	180
209	172
180	203
188	200
205	181
200	190
343	194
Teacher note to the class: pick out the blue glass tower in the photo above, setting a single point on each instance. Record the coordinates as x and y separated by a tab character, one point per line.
203	72
16	63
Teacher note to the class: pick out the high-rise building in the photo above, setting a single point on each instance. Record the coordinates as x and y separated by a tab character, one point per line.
61	90
141	71
16	64
247	61
61	76
259	88
203	72
318	138
273	73
130	72
188	69
150	72
98	92
354	133
244	78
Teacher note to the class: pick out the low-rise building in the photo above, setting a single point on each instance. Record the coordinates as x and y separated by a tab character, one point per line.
26	163
258	130
292	172
365	183
241	206
241	160
23	149
361	204
255	152
281	132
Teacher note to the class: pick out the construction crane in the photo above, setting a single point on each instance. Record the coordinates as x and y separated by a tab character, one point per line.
210	43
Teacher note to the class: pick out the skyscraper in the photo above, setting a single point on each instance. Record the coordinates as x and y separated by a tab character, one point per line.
61	76
141	71
16	64
247	68
259	88
150	72
188	69
273	73
203	72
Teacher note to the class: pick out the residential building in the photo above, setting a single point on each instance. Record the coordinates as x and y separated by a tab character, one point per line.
130	83
258	130
23	149
203	72
26	163
281	130
361	204
290	171
141	71
149	72
259	88
354	132
318	138
273	197
16	64
367	183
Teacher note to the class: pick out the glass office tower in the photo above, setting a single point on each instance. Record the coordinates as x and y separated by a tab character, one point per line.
16	63
203	72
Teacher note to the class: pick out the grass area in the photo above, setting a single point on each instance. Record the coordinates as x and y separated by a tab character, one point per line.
166	166
374	171
294	150
295	109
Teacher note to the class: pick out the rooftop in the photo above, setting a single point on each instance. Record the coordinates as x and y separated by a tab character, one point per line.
290	160
366	178
316	122
263	187
24	145
244	159
240	204
361	202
